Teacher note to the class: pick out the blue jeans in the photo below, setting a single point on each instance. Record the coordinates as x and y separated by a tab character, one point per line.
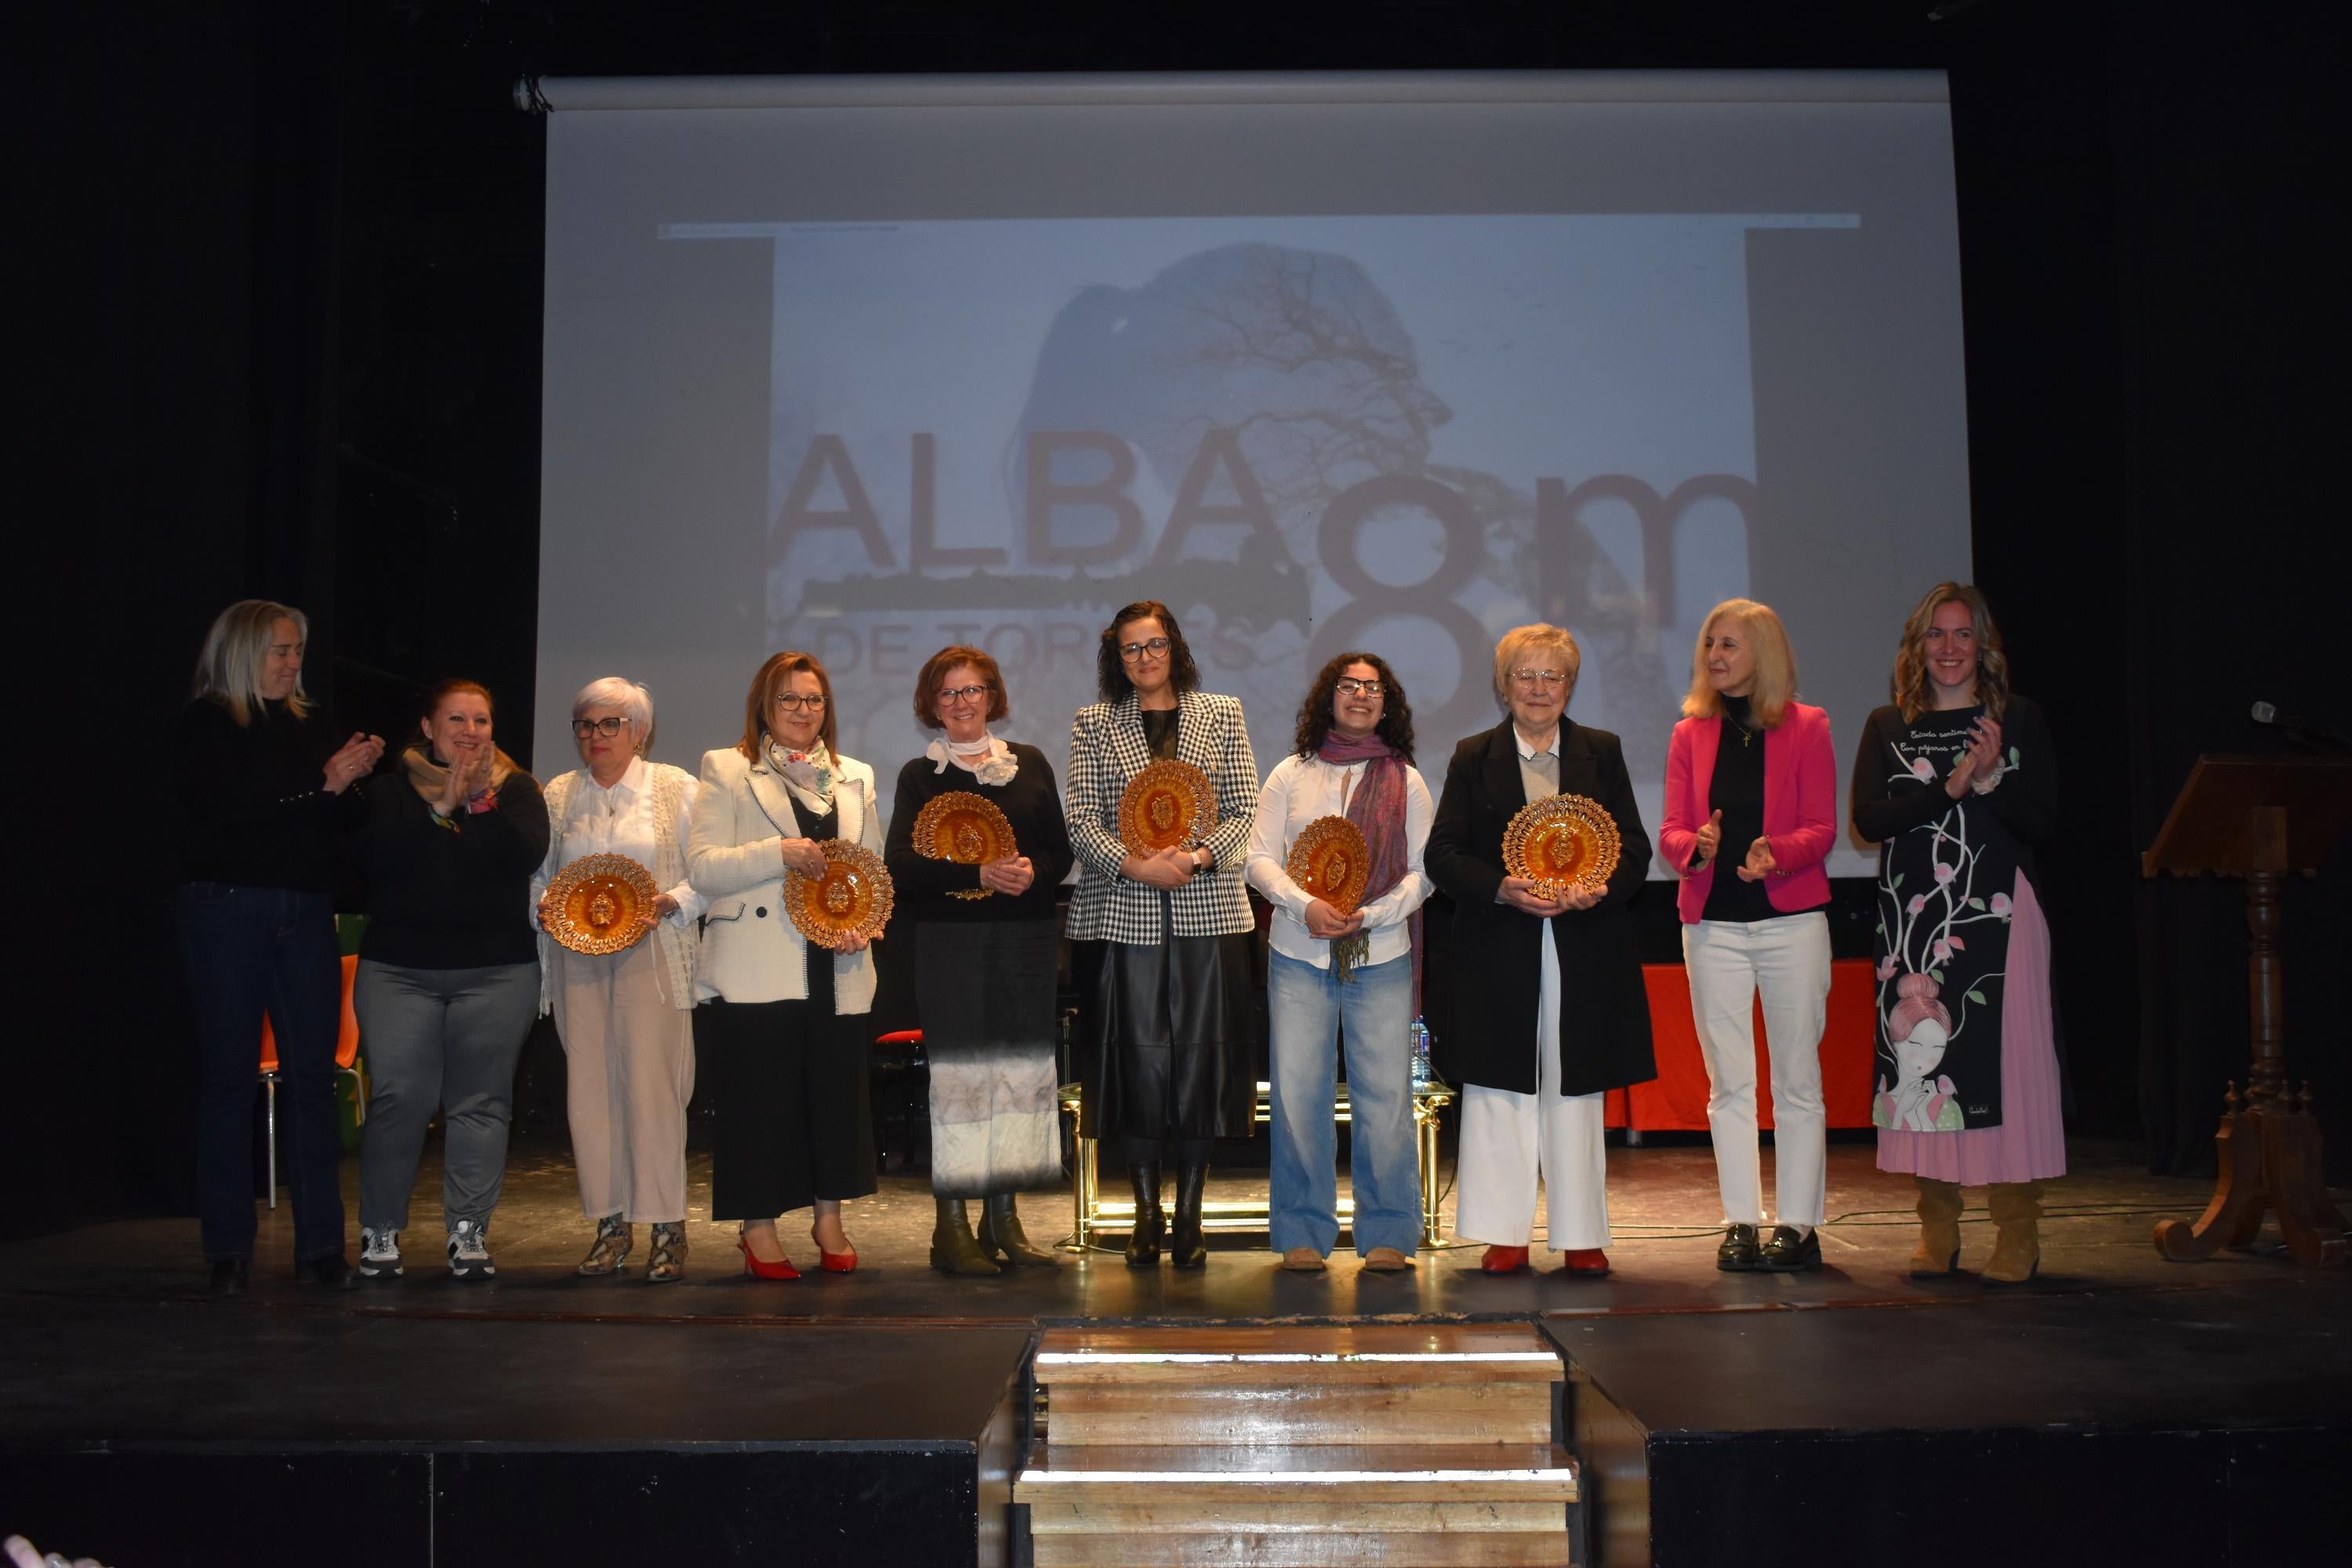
251	950
1307	1005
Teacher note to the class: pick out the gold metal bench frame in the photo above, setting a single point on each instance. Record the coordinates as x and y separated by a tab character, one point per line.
1092	1213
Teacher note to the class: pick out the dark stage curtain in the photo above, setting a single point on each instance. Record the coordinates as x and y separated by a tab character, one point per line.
286	315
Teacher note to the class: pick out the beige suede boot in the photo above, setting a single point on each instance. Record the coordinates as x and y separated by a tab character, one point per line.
2016	1215
1938	1252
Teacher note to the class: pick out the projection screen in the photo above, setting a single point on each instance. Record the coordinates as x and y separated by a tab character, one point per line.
871	366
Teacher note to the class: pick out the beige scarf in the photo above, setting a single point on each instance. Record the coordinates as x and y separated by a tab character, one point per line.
430	779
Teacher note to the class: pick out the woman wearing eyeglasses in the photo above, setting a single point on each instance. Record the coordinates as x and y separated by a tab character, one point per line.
1549	1009
1166	1058
626	1018
984	941
777	1016
1353	758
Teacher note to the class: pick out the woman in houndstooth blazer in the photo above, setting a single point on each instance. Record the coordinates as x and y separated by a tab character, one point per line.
1162	954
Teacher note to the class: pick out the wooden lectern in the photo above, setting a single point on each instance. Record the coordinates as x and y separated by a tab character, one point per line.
2259	818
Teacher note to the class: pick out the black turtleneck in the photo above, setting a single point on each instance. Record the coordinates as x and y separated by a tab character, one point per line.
254	808
1737	790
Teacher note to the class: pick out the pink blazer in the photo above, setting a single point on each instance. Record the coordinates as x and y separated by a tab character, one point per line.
1799	809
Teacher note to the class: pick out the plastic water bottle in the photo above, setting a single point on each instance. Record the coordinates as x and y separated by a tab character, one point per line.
1421	1074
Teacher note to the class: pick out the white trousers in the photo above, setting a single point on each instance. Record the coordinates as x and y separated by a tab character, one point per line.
1787	960
1509	1140
629	1073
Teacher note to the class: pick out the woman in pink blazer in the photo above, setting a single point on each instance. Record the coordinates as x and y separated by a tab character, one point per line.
1751	786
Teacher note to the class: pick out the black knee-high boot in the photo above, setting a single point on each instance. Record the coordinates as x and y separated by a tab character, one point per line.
1185	1247
1143	1241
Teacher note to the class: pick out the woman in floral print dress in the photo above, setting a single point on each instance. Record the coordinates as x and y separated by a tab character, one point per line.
1956	782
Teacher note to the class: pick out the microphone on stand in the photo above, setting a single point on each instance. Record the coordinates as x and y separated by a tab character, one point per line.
2299	729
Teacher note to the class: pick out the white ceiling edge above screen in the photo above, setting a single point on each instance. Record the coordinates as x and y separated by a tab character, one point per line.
621	92
873	365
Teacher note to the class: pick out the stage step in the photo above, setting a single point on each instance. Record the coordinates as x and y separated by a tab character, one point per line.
1368	1385
1298	1447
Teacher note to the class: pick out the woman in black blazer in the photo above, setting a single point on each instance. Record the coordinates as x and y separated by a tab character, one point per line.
1548	1006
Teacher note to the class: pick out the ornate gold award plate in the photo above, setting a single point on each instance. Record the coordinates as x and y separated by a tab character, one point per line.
1568	838
966	828
1330	862
1167	804
599	903
852	898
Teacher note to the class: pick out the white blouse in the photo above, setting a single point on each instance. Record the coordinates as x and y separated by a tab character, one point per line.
620	821
1299	790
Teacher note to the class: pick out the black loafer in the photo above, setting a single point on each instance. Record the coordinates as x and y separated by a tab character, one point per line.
1789	1252
229	1276
1738	1254
331	1272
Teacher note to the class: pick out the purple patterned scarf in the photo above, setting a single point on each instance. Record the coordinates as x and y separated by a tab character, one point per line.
1377	808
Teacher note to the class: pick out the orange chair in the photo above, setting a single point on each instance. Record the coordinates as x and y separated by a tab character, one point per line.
347	1052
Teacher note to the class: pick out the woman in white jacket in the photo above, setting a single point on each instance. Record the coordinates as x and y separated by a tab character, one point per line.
776	1019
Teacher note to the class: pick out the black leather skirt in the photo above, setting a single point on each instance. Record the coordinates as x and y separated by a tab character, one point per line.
1166	1048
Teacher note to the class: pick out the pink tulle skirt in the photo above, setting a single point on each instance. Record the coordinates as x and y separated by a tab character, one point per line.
2030	1144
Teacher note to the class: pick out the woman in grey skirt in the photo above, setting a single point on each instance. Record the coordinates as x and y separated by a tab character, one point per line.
983	951
448	973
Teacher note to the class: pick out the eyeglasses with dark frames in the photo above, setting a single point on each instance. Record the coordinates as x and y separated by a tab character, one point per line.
1349	686
1133	652
792	702
963	693
607	727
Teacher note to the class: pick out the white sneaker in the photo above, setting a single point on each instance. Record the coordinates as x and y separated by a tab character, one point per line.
469	1254
379	1252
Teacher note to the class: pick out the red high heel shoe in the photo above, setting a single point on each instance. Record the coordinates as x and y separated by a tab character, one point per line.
834	1262
1503	1260
761	1269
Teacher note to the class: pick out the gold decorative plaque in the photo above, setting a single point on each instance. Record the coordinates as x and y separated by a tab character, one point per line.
966	828
1568	838
1167	804
599	903
1330	861
853	899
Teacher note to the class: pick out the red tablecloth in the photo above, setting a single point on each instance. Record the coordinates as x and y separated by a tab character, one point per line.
1677	1098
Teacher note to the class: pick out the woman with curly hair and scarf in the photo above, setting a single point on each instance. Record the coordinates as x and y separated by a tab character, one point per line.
1352	759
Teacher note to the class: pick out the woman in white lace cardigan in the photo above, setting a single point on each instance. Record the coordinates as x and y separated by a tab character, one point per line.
626	1018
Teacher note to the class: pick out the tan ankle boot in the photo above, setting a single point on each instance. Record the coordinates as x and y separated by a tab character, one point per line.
1939	1253
2017	1214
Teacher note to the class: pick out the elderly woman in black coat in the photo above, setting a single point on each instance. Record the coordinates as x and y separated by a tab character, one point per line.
1548	1006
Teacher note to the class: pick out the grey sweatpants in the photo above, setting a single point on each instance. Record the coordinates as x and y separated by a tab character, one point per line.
440	1038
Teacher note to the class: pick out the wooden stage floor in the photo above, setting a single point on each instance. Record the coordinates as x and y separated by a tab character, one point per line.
2095	1238
727	1389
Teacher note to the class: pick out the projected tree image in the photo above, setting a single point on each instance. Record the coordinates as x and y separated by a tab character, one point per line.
1254	432
1286	378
